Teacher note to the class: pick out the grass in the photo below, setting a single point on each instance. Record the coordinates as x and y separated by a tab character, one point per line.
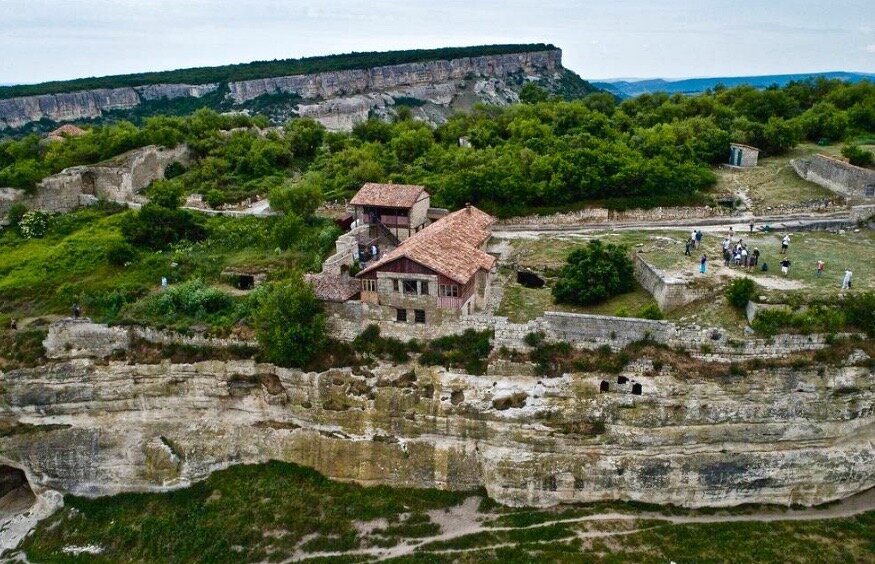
774	182
245	513
274	511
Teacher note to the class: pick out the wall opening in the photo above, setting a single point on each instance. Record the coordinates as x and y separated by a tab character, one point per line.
15	492
604	386
636	389
245	282
622	379
529	279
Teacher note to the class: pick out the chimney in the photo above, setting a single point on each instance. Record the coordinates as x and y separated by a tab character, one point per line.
468	206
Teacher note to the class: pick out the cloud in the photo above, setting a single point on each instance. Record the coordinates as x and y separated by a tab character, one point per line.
870	48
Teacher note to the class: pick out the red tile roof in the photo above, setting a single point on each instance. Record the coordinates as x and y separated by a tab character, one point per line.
449	246
332	288
388	195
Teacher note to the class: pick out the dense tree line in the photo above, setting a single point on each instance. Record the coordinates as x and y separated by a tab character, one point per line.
545	153
267	69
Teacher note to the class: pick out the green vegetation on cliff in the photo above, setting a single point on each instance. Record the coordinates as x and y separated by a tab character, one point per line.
268	69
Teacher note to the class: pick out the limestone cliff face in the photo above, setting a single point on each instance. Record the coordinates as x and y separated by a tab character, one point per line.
344	83
338	99
88	104
780	436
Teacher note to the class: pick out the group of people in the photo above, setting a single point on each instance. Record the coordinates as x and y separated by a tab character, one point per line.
737	254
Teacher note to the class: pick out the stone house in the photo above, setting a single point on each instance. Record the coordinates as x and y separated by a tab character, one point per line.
395	211
439	273
743	156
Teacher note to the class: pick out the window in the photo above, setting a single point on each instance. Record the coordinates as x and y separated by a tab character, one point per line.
400	315
410	286
394	284
449	291
419	315
423	287
369	285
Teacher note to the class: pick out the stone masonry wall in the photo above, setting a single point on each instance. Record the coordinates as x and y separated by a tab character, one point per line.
603	215
855	183
670	292
118	180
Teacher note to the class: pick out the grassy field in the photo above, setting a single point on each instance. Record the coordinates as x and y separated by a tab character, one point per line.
276	511
773	182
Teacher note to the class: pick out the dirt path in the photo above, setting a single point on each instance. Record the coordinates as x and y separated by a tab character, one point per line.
465	519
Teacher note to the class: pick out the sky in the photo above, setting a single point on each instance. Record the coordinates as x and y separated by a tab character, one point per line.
59	39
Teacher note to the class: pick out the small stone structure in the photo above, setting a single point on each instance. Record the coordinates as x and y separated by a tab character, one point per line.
670	292
119	179
743	156
855	183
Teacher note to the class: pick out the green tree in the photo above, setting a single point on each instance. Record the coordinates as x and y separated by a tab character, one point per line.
290	323
594	273
740	291
858	156
301	198
531	93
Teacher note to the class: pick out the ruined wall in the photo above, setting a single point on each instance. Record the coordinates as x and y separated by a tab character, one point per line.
347	320
603	215
119	179
670	292
855	183
773	436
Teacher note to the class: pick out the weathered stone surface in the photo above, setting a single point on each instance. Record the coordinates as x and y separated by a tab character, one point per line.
853	182
88	104
781	436
119	179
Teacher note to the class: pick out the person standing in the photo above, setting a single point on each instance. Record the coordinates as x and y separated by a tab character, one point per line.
703	263
76	311
785	266
751	227
745	258
690	243
698	237
846	281
13	325
693	235
754	257
785	244
820	266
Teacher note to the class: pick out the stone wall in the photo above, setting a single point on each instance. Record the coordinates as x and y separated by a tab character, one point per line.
82	338
670	292
603	215
119	180
347	320
855	183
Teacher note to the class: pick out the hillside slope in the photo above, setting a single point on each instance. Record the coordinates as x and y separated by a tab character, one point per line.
339	91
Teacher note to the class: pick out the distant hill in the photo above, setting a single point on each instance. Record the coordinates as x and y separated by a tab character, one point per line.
632	88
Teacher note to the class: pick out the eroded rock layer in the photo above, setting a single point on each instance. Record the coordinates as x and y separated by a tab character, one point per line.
783	435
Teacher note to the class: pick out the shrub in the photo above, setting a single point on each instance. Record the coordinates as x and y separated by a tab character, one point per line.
650	311
470	351
157	227
858	156
33	225
740	291
120	254
860	312
173	170
594	273
16	212
534	339
290	323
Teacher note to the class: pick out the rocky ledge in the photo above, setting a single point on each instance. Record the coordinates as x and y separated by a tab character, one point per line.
779	435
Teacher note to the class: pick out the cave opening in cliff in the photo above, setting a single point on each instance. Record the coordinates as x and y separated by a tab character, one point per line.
15	492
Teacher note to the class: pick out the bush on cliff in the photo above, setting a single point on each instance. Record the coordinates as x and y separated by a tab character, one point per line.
160	223
594	273
740	291
858	156
290	323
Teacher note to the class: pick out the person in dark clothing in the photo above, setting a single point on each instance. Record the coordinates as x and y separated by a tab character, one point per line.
687	247
13	324
76	311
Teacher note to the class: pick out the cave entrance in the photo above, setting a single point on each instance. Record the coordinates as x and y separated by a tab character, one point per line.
245	282
15	492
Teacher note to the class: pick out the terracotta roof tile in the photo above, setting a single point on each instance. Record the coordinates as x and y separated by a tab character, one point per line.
388	195
449	246
331	288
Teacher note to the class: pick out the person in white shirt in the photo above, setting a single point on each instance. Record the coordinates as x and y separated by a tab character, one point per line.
846	282
785	242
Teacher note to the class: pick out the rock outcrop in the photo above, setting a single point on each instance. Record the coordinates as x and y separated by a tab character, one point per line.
89	104
338	99
780	435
